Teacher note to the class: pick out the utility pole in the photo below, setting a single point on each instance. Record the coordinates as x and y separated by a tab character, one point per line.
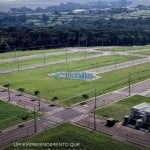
18	67
115	62
66	53
129	80
94	109
86	48
97	67
44	55
8	93
34	116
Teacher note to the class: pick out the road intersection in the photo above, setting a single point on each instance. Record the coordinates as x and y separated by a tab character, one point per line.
54	114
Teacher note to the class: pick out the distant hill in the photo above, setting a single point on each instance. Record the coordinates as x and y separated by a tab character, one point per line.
141	2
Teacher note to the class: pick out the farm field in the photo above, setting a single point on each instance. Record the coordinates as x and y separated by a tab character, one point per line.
11	115
76	137
121	108
67	90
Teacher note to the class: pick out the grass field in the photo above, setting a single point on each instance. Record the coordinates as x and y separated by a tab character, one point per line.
124	48
144	52
38	79
119	109
13	54
105	60
43	59
11	115
75	138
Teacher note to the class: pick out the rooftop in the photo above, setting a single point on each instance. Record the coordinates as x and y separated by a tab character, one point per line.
142	107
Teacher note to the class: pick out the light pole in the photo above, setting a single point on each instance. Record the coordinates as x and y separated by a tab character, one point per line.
8	90
94	109
66	53
34	116
18	67
129	83
85	48
36	93
44	55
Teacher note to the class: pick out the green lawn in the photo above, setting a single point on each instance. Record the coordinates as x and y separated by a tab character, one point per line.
119	109
75	138
144	52
124	48
11	114
38	79
47	59
13	54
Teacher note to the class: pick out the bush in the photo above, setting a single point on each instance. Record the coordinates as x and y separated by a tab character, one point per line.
85	96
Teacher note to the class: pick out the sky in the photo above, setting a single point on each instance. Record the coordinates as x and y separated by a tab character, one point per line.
5	5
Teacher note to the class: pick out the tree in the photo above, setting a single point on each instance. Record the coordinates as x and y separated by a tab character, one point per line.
24	116
37	93
21	90
54	98
7	86
85	96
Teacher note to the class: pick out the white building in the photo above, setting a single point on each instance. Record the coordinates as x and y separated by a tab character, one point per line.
142	112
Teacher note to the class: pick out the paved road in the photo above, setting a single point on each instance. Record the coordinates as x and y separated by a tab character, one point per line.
118	132
29	129
17	68
57	114
116	95
119	66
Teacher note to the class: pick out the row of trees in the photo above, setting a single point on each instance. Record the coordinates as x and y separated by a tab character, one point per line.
25	38
21	90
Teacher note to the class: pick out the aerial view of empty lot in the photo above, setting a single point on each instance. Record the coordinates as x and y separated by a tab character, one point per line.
75	75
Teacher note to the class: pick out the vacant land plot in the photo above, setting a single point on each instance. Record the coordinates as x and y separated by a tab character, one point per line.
77	138
11	115
119	109
13	53
44	59
38	79
144	52
124	48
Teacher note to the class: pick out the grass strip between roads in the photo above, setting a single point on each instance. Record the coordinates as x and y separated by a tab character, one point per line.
119	109
11	115
49	87
72	137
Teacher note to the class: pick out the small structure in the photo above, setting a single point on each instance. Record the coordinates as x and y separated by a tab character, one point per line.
83	75
140	116
110	122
